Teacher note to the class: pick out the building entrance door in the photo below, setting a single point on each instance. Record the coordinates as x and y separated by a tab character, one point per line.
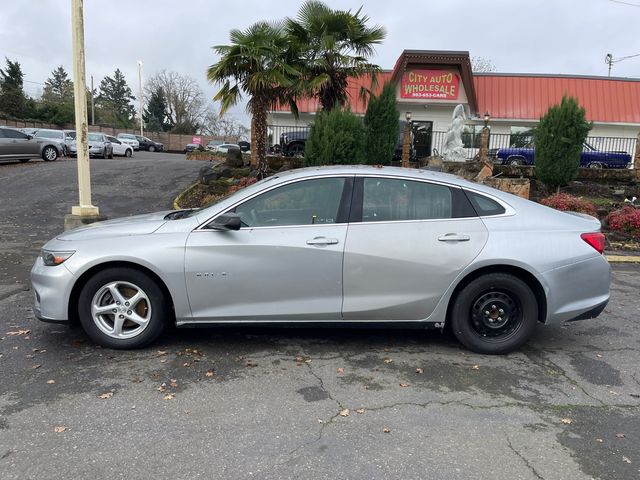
422	136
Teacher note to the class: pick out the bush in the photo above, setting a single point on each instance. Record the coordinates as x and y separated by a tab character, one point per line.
626	220
559	139
336	138
566	202
244	182
382	127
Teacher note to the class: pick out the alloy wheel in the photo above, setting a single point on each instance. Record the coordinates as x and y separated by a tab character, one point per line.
121	310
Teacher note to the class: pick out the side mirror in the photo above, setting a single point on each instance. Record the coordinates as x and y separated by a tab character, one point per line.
226	221
29	137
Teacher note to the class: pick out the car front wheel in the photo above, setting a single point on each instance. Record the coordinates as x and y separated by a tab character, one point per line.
123	308
127	152
49	154
494	314
152	148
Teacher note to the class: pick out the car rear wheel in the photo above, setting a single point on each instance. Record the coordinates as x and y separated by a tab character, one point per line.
595	165
494	314
152	148
515	161
296	150
111	154
123	308
49	154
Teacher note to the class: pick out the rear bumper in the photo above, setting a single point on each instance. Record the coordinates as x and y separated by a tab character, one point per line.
577	291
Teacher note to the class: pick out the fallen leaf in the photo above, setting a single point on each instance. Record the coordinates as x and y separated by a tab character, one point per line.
598	355
567	421
162	388
625	459
388	360
61	429
359	410
599	440
188	412
186	364
164	360
210	373
320	420
475	367
344	413
36	366
405	384
169	396
106	395
19	332
160	353
51	382
419	370
340	370
620	435
251	365
173	382
386	349
386	430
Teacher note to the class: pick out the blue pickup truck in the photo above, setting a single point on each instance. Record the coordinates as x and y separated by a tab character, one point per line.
590	157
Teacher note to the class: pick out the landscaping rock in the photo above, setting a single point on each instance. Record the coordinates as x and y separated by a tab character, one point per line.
234	158
208	174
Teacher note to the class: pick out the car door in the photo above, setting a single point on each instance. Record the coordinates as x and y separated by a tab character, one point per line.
284	263
407	242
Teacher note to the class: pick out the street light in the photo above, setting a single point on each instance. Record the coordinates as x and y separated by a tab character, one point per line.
487	117
140	96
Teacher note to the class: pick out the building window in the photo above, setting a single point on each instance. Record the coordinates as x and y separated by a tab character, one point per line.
521	137
471	136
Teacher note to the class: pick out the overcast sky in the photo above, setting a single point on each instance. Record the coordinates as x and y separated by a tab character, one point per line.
535	36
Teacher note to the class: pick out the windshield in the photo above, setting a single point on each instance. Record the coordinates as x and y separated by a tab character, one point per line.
95	137
589	147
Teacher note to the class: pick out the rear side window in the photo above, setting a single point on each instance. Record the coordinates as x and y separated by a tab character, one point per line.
10	133
484	206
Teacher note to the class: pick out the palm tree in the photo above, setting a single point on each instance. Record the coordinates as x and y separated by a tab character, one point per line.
257	63
333	45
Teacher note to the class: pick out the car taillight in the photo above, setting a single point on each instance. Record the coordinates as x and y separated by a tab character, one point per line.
595	239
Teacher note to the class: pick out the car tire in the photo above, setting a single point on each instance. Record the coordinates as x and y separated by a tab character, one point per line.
49	154
152	148
494	314
515	161
595	165
153	308
128	152
111	154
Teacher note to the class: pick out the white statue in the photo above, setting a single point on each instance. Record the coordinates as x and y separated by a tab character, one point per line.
453	150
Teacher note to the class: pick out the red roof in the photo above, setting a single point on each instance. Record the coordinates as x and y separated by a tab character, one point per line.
527	97
516	96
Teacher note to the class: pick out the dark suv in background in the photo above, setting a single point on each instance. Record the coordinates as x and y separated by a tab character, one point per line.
292	142
149	145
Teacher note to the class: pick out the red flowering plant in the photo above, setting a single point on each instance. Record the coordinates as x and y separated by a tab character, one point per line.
244	182
566	202
625	220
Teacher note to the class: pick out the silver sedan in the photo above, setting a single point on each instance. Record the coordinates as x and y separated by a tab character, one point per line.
332	246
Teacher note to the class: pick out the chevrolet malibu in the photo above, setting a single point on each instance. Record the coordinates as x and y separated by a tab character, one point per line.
332	246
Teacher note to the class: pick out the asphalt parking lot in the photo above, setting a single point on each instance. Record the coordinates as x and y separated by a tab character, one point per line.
291	403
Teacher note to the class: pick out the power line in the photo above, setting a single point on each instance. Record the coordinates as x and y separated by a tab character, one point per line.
625	3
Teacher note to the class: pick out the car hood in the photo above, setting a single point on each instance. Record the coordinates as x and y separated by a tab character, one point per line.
134	225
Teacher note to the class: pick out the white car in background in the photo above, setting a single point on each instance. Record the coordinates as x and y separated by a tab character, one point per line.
129	139
119	147
225	147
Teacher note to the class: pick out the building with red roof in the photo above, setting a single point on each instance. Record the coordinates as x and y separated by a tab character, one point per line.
429	84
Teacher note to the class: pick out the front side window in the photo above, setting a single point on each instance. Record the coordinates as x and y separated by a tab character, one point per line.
10	133
389	199
308	202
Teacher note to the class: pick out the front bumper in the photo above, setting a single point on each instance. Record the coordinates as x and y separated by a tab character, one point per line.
51	290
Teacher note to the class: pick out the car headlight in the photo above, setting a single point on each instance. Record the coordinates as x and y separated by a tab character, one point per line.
51	259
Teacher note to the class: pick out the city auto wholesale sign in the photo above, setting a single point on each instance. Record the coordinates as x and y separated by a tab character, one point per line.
438	84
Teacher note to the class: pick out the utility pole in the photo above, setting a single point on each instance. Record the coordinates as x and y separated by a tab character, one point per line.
93	108
140	97
85	212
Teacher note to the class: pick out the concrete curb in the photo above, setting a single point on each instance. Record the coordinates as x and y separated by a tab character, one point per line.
176	201
623	258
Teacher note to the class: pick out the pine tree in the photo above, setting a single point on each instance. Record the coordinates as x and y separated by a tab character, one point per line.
336	138
58	87
382	127
114	101
13	101
559	139
155	115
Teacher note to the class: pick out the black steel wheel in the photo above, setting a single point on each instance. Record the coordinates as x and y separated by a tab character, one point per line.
495	313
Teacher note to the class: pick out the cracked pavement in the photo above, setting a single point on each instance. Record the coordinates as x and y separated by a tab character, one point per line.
266	403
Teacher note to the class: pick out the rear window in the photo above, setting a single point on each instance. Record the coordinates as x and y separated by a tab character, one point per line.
484	206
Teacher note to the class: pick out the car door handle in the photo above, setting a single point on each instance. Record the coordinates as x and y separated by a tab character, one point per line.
454	237
322	241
